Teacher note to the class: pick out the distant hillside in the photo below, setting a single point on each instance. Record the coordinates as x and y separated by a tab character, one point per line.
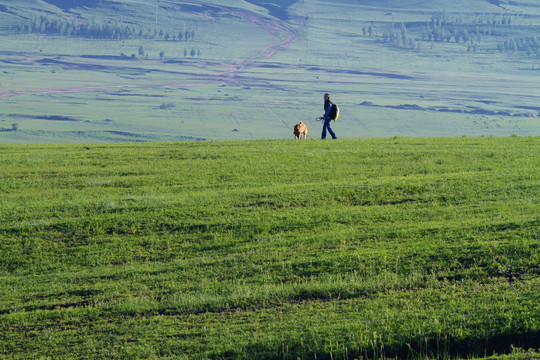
252	69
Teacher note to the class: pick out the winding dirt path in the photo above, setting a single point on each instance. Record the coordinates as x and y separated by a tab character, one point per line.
282	35
276	28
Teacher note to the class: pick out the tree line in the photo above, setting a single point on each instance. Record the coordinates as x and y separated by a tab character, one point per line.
444	28
143	53
111	30
531	46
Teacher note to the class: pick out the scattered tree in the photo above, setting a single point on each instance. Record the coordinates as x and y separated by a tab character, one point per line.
111	29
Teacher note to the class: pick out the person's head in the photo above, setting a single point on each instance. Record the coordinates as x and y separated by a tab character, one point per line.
326	98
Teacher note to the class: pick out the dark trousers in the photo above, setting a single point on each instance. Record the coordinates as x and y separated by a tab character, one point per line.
326	126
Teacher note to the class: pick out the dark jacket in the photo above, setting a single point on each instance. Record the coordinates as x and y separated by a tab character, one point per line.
327	109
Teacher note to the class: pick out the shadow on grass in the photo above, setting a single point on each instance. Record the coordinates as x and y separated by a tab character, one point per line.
441	348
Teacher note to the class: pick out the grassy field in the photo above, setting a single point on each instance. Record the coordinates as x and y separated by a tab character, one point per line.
258	75
355	248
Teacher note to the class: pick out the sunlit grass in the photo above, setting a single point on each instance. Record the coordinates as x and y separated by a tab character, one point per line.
266	249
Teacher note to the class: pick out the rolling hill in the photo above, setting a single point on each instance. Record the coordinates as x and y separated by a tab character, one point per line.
173	70
413	236
407	248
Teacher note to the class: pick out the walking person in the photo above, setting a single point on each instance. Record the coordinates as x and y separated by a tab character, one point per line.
327	118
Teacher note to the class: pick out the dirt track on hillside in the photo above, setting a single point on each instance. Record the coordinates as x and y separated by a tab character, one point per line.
282	35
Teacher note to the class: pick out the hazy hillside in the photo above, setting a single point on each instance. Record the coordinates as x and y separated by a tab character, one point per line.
145	70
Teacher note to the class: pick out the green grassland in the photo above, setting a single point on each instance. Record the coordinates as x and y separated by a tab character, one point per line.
348	249
376	246
255	75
